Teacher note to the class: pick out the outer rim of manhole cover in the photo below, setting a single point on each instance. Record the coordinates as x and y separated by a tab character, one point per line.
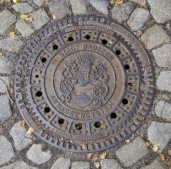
85	83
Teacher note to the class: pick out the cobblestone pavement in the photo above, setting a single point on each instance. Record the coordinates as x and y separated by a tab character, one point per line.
149	147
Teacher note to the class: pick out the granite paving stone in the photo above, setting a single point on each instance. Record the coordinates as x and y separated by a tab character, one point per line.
38	2
11	44
19	165
2	86
110	164
36	155
130	153
156	164
23	8
21	138
160	9
80	165
60	9
61	163
40	18
138	18
159	134
164	81
5	109
6	20
163	109
154	36
5	65
100	5
6	150
163	55
24	28
78	7
139	1
121	12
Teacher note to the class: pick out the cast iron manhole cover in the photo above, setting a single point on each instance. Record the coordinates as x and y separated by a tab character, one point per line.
84	83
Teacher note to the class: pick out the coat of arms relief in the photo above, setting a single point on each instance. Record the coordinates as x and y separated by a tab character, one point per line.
84	81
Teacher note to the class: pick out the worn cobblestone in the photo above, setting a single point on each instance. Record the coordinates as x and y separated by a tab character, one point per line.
130	153
6	20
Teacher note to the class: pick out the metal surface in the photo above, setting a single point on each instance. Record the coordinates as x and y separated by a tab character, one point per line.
84	83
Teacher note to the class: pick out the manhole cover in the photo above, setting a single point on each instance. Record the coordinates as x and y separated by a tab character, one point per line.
84	83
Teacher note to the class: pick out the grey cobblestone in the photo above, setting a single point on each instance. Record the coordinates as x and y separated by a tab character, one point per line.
164	81
11	44
5	109
110	164
130	153
163	109
163	55
160	9
6	150
6	20
5	65
20	137
24	28
138	18
121	12
159	134
60	9
100	5
156	164
78	7
154	36
23	8
40	18
80	165
61	163
38	2
36	155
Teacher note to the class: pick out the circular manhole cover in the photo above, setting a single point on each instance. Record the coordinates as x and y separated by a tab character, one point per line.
84	83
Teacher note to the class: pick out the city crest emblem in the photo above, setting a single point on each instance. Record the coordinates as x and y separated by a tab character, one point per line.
84	81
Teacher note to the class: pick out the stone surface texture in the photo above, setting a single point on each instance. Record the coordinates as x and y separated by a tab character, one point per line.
5	109
163	109
110	164
154	36
11	44
18	165
163	55
60	9
159	134
38	2
138	18
6	20
78	7
5	65
164	81
6	150
24	28
160	9
121	12
20	136
130	153
80	165
100	5
61	163
139	1
156	164
36	155
2	86
40	18
23	8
